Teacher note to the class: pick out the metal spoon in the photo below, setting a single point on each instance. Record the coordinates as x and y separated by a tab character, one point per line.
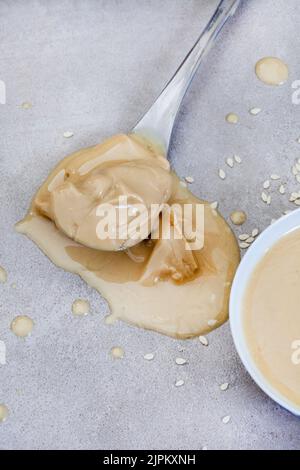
158	123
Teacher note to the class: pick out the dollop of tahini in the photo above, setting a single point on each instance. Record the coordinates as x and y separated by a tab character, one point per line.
160	284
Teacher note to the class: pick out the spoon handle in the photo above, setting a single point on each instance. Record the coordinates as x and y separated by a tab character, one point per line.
157	124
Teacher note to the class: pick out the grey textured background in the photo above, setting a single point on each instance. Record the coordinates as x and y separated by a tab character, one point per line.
94	67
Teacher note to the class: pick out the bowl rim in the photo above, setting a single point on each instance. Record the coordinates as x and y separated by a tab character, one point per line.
255	253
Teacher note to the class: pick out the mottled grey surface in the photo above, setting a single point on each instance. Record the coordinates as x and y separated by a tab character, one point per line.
94	67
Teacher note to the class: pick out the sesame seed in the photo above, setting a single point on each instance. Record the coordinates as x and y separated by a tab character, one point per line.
224	386
269	199
203	340
222	174
250	240
226	419
237	159
179	383
68	134
264	196
294	170
275	177
189	179
294	196
244	245
282	189
254	111
180	361
244	236
266	184
149	357
230	162
297	202
255	232
214	205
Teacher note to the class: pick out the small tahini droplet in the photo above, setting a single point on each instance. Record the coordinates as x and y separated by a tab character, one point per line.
117	352
22	326
3	413
80	307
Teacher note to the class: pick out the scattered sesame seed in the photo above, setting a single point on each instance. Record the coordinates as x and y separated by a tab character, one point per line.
275	177
237	159
282	189
180	361
294	170
214	205
68	134
250	240
244	245
230	162
149	357
266	184
222	174
255	232
297	202
287	212
203	340
269	199
224	386
244	236
189	179
255	111
294	196
226	419
264	196
179	383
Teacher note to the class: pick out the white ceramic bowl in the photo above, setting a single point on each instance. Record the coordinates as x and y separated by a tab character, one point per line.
254	254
